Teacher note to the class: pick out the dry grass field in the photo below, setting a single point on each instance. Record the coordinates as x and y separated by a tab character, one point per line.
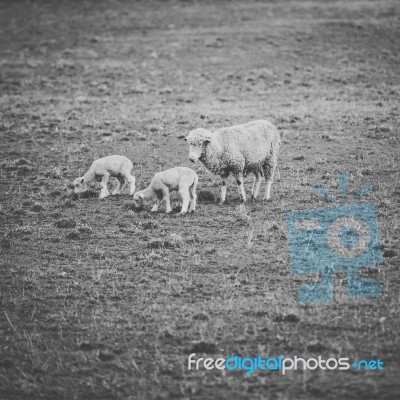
99	301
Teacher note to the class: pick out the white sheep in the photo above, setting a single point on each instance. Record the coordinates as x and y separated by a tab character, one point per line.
118	166
238	150
181	179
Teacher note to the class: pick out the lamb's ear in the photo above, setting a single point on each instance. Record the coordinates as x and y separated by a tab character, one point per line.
82	180
141	195
185	139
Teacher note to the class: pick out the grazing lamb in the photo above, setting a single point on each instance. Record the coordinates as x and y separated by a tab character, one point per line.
238	150
101	169
181	179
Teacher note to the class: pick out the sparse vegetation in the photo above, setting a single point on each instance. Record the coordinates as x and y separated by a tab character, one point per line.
100	301
66	223
205	195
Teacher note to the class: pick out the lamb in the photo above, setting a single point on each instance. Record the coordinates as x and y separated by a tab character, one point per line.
181	179
238	150
101	169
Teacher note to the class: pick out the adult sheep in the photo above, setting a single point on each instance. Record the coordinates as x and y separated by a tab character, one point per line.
238	150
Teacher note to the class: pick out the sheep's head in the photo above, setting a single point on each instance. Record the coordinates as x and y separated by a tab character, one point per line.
138	199
197	140
80	185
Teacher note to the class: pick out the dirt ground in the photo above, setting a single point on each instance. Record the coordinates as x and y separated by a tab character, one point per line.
99	301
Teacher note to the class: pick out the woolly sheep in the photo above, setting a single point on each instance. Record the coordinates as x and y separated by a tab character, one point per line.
238	150
118	166
181	179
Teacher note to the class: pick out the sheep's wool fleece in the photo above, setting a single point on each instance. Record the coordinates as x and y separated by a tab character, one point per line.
114	165
245	148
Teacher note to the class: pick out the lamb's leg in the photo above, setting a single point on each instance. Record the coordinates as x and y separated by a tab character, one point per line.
132	183
184	192
104	181
156	205
158	202
193	197
239	181
167	200
256	185
120	186
126	174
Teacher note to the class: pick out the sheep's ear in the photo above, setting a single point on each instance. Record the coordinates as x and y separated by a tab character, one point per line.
82	180
141	195
185	139
206	136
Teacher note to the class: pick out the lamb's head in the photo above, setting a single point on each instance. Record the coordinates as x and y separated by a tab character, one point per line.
80	185
138	199
198	140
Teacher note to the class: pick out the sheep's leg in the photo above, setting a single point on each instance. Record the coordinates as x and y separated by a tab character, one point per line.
224	177
267	195
269	172
120	186
256	186
239	181
167	200
104	180
242	191
184	192
223	192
